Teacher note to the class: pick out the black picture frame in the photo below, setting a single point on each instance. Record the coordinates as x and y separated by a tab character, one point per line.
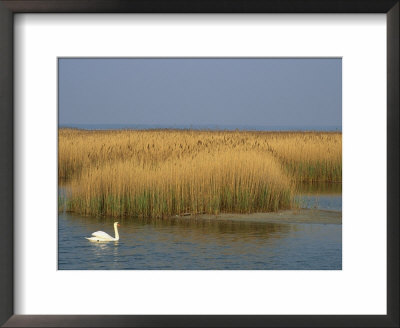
10	7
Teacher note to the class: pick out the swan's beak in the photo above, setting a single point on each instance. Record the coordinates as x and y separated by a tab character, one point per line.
118	225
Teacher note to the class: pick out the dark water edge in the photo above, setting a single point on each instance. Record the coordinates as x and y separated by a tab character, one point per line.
319	188
212	127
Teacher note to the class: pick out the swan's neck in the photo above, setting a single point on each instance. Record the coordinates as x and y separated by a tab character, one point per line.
116	232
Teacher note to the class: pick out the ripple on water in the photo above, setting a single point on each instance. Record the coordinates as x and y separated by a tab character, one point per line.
204	245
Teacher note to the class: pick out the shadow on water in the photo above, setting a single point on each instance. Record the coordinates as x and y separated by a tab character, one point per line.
319	188
180	244
204	244
323	196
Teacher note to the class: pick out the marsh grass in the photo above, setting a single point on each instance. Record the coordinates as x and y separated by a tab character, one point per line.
161	173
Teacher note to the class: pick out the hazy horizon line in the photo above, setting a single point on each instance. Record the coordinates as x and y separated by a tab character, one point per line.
244	127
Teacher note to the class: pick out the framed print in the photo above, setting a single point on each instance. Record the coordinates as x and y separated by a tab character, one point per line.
199	163
210	172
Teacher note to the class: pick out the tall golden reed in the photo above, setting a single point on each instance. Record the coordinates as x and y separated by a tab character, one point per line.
158	173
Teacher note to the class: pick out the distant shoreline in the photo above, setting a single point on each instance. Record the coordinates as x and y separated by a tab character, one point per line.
205	127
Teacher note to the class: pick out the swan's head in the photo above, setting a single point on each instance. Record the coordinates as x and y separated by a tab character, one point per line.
116	224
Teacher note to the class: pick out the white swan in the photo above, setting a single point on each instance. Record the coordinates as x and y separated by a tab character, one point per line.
103	236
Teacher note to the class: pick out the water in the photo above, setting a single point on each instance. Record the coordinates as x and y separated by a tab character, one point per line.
199	244
325	128
323	202
181	244
323	196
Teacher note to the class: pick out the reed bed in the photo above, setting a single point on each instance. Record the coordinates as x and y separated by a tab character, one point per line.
161	173
309	157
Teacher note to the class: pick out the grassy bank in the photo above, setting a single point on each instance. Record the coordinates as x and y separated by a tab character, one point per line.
159	173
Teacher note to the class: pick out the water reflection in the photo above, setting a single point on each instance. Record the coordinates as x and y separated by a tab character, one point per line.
198	244
319	188
323	196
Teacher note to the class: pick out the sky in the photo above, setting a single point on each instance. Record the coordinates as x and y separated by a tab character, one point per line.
203	91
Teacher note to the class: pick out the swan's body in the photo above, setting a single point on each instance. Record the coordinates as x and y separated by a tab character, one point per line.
103	236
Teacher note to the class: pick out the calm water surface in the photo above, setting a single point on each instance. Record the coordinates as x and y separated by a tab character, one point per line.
324	196
192	244
199	245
